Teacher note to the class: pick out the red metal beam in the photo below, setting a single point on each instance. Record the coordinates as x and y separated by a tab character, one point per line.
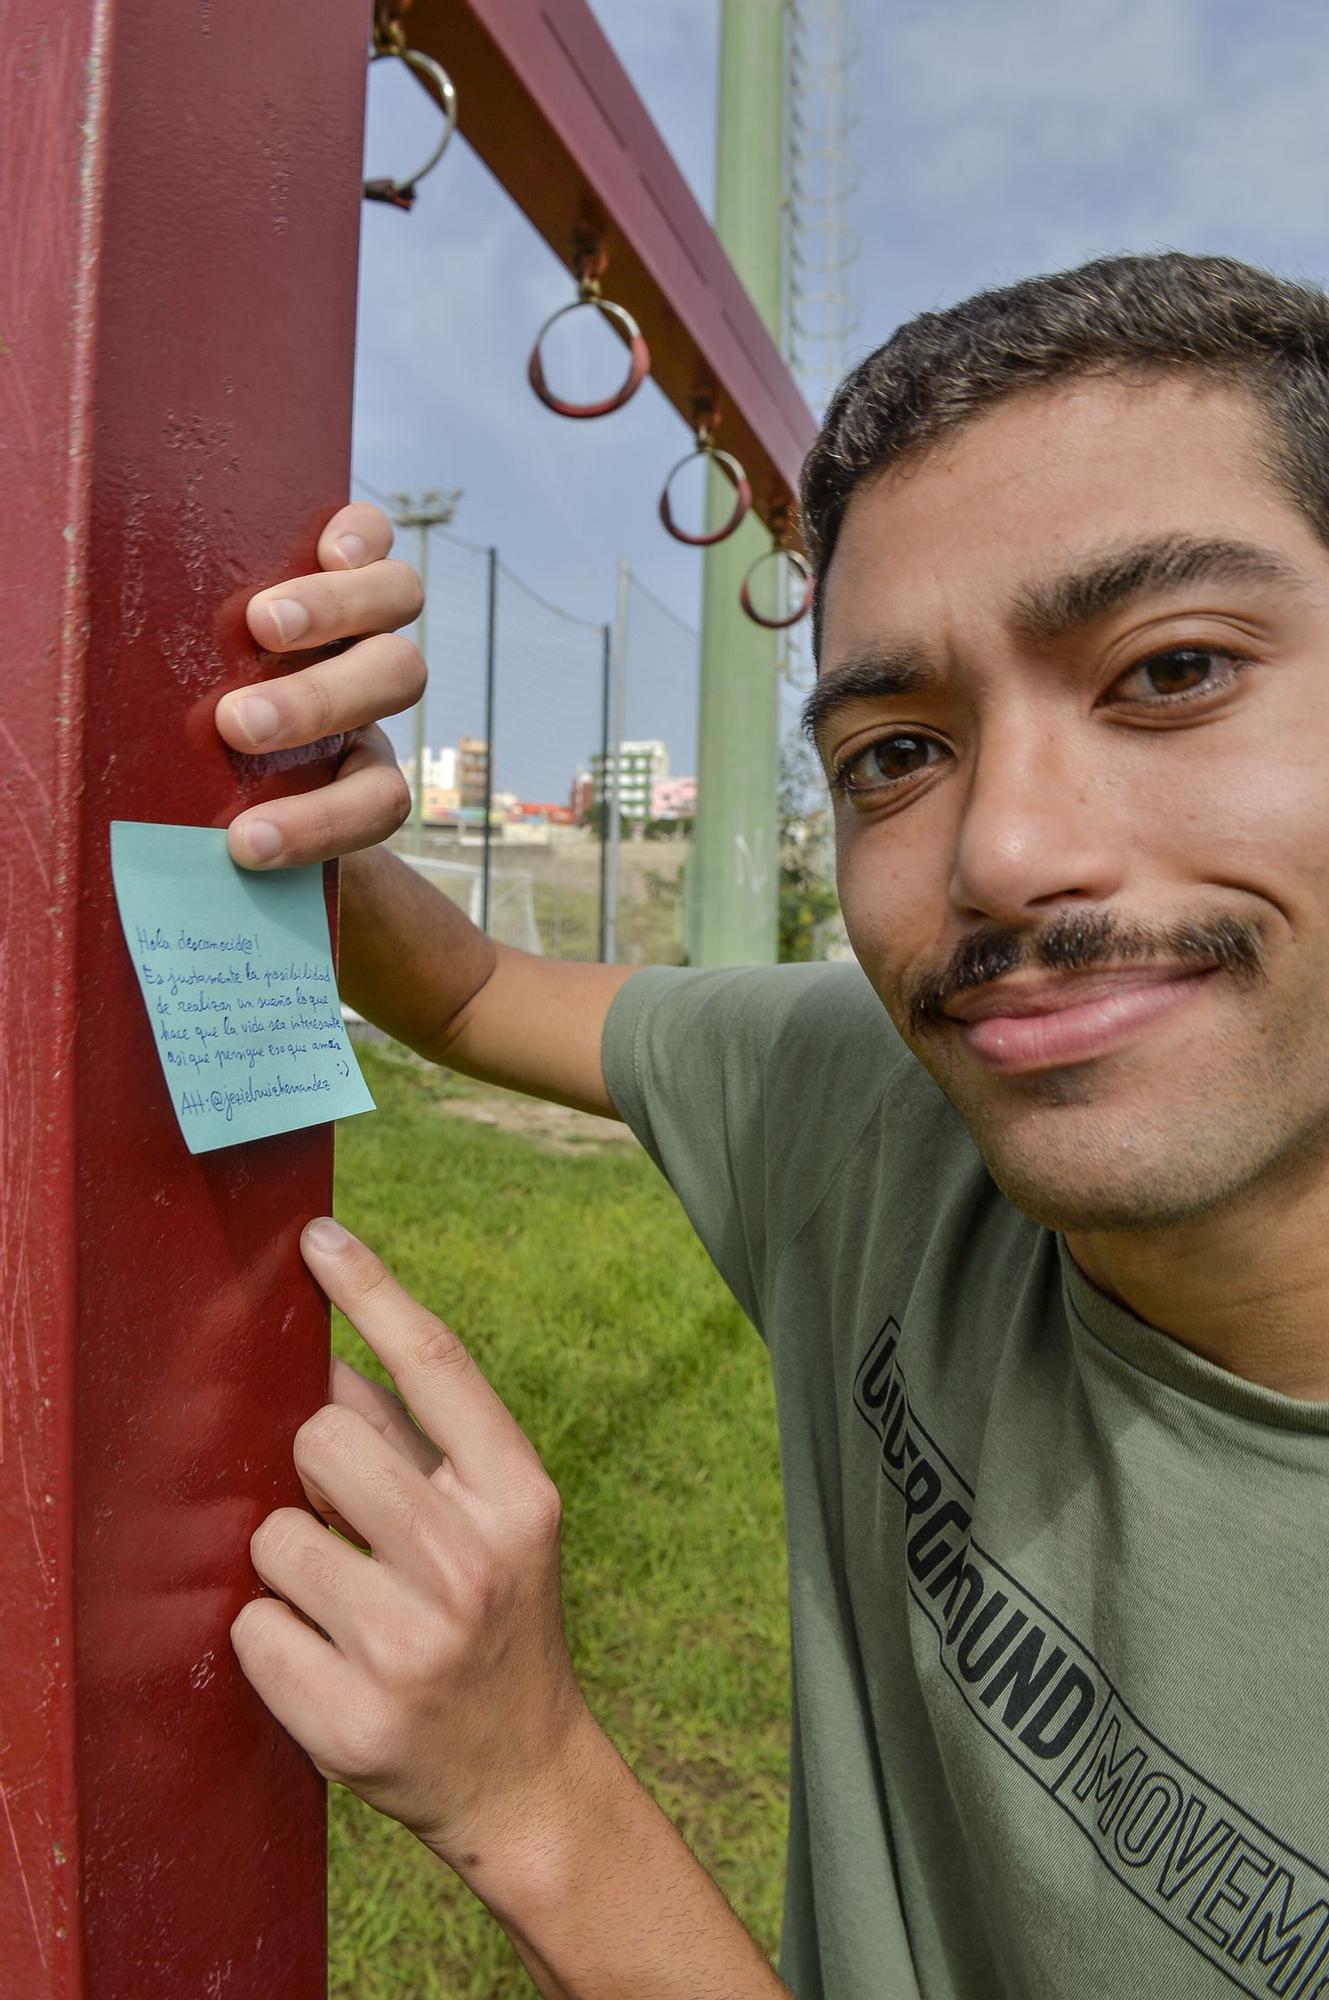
551	111
177	278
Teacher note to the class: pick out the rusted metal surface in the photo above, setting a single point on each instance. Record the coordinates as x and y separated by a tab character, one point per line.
177	272
549	108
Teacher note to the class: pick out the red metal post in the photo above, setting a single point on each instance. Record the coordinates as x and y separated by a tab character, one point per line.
177	271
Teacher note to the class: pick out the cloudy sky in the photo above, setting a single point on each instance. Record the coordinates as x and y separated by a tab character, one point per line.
998	137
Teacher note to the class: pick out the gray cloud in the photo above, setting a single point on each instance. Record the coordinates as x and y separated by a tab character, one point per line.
1032	133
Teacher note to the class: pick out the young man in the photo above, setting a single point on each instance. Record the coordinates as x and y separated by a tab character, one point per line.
1032	1213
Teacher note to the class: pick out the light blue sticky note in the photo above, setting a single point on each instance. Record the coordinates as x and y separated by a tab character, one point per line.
236	974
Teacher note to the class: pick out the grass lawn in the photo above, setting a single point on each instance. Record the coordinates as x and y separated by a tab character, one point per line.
585	1298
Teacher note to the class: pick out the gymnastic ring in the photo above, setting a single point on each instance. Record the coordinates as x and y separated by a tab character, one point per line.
804	568
639	357
401	194
737	478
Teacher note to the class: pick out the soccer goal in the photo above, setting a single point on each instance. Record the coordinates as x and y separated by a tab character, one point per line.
511	904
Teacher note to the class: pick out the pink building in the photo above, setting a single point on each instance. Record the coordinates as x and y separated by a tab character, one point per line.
673	798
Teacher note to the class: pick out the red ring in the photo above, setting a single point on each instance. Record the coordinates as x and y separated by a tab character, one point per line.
734	472
805	604
639	363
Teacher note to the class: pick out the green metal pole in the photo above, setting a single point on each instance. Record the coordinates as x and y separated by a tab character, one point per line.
734	886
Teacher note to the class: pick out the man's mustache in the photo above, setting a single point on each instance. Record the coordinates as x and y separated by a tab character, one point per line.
1078	940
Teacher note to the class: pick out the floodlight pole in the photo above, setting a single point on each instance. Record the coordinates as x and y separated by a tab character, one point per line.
432	510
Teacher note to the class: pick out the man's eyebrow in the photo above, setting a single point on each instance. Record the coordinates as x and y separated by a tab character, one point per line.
1046	611
873	675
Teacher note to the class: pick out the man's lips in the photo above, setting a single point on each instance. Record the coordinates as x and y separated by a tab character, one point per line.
1018	1025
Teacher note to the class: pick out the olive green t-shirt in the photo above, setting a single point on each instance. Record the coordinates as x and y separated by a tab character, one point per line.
1059	1588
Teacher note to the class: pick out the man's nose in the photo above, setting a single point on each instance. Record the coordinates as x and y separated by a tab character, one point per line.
1038	829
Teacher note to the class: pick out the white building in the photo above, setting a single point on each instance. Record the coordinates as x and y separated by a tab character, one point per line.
440	769
641	766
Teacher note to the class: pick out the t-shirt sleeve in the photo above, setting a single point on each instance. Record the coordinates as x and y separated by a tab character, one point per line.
748	1087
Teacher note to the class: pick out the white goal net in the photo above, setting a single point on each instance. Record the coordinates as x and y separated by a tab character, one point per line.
511	904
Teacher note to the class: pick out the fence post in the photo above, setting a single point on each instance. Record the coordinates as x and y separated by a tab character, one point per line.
491	627
612	771
177	297
606	724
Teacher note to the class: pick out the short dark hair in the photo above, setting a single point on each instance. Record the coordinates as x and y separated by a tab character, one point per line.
1172	312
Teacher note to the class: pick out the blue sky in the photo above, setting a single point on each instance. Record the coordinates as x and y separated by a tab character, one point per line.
998	137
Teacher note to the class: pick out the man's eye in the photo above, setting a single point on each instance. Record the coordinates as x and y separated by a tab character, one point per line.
886	762
1178	675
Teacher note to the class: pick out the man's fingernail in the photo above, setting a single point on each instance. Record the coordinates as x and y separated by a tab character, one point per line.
325	1234
262	839
257	716
290	618
352	549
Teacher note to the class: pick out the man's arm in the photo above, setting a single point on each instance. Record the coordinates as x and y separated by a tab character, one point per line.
611	1904
412	963
427	1667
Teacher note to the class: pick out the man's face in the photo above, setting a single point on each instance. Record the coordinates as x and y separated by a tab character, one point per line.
1074	700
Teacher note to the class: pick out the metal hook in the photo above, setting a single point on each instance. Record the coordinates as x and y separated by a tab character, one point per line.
707	421
390	46
588	267
799	562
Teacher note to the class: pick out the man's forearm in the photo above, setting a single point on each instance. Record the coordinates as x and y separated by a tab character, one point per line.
410	960
604	1901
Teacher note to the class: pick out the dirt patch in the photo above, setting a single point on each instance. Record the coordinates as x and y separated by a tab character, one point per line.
554	1128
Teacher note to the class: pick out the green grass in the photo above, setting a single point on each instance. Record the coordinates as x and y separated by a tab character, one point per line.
585	1298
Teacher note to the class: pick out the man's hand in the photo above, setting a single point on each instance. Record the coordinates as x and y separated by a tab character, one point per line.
427	1669
358	595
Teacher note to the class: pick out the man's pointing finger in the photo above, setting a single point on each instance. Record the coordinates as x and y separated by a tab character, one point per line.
435	1376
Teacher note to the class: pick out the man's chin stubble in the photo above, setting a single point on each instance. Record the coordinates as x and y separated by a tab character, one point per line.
1099	1180
1101	1208
1104	1182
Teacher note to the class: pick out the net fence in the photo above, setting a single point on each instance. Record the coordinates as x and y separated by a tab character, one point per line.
524	698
